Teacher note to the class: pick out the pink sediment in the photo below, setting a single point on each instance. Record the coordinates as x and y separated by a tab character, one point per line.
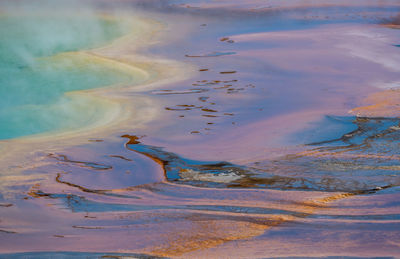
165	218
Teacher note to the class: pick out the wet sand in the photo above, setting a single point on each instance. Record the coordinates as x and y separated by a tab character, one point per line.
261	132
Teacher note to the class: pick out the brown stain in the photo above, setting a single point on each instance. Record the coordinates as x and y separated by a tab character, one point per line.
216	82
96	140
34	192
91	165
121	157
227	72
226	39
188	105
189	91
183	107
6	205
203	69
194	56
87	227
155	159
234	90
208	110
58	180
132	140
222	87
177	109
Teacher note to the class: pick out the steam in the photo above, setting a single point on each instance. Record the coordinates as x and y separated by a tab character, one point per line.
44	28
33	78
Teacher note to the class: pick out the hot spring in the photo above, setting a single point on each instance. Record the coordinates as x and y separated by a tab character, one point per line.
46	59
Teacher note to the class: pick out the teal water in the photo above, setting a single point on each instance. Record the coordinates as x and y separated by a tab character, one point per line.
34	77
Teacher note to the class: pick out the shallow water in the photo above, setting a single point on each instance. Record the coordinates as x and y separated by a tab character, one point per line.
267	131
40	64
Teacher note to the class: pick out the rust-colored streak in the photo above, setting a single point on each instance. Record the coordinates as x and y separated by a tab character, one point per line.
58	180
121	157
132	139
227	72
226	39
6	205
87	227
134	142
91	165
187	105
208	110
176	109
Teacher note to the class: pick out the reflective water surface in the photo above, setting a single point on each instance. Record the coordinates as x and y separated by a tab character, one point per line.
256	130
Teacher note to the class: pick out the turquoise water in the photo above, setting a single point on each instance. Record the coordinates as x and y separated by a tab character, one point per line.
34	77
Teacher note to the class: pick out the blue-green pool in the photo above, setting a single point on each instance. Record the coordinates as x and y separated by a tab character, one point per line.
39	65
